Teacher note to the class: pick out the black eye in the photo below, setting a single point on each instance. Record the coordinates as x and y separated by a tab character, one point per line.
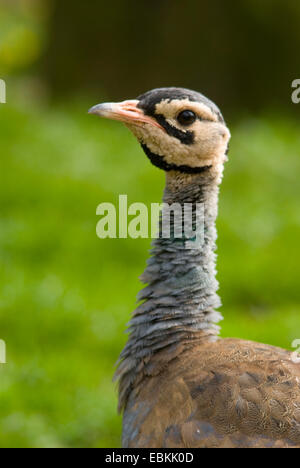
186	117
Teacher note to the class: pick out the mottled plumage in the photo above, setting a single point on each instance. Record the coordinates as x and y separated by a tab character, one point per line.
229	393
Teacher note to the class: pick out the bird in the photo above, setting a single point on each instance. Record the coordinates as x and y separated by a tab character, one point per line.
180	384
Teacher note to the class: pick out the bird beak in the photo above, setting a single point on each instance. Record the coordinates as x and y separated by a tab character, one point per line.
126	111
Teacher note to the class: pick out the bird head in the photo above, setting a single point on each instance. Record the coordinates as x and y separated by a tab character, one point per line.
178	129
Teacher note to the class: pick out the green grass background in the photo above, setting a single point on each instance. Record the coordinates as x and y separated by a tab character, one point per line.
65	295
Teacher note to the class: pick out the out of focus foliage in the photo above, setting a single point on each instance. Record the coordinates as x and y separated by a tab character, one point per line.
22	33
242	54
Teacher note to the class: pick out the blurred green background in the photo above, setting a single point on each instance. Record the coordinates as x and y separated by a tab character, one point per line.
65	295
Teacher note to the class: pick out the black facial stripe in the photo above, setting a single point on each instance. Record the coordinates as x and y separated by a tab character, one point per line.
187	138
160	162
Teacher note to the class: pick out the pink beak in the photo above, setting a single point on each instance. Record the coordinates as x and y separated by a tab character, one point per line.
126	111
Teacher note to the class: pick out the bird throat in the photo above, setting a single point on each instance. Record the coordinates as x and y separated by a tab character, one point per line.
161	163
178	305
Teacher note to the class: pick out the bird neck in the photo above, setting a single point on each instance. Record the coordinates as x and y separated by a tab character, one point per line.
181	272
180	300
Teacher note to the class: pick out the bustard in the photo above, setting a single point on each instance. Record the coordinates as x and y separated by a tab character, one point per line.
179	384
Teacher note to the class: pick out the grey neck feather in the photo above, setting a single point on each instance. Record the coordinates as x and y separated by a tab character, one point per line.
180	301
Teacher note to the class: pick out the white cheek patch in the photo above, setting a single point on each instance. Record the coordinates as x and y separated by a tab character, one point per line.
209	147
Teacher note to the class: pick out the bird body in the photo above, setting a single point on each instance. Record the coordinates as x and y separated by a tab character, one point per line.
179	384
215	394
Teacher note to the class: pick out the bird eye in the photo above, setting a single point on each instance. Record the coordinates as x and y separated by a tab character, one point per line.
186	117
